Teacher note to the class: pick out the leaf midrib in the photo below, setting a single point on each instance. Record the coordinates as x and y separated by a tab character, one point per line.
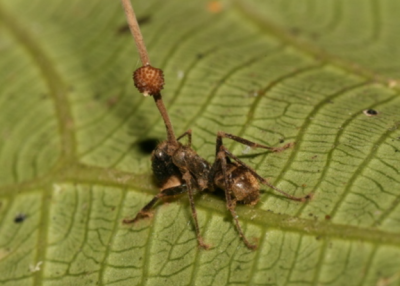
318	228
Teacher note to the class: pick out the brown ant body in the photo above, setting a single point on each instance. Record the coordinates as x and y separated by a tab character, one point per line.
179	169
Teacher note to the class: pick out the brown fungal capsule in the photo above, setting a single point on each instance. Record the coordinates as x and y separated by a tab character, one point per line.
148	80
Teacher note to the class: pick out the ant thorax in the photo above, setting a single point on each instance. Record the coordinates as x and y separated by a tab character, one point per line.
172	161
188	160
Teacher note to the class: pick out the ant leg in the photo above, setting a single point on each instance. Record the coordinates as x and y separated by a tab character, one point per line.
188	178
251	144
262	180
145	211
189	135
231	204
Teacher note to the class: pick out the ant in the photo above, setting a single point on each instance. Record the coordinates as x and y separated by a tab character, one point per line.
177	167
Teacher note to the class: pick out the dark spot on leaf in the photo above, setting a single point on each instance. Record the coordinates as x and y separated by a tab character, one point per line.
200	56
112	101
370	112
309	196
295	31
281	140
19	218
315	36
144	20
148	145
327	217
124	29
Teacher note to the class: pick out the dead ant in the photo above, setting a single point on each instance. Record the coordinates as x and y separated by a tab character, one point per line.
179	169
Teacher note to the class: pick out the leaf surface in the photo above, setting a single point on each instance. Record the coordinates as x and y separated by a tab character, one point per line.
76	138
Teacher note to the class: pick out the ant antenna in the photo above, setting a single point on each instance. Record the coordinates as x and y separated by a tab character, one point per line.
148	80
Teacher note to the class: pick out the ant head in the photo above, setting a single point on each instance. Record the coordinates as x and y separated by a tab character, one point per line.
148	80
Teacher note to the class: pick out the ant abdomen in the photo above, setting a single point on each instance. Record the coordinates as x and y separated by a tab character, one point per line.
244	187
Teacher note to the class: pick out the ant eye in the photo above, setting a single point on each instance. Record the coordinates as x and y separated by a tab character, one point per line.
148	80
159	154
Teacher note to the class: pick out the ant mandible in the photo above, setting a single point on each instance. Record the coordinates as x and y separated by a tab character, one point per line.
179	169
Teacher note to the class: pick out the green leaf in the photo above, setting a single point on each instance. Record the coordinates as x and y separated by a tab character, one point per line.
75	138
